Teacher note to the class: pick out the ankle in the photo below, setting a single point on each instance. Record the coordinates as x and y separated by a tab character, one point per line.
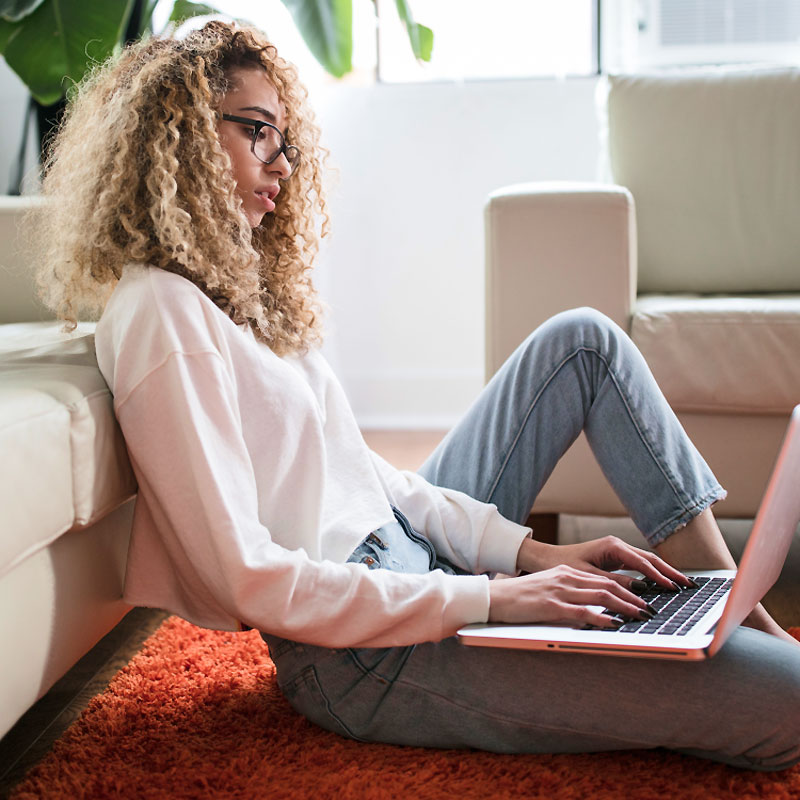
698	545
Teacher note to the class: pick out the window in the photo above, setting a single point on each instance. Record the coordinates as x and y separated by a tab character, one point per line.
639	34
475	39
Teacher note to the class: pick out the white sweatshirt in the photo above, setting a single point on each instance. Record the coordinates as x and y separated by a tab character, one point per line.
255	485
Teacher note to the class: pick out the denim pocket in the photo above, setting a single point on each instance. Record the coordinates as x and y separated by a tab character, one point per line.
367	553
305	696
416	537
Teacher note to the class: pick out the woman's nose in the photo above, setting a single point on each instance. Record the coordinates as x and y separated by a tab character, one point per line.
281	166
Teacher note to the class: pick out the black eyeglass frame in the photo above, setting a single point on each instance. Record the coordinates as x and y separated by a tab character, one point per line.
257	125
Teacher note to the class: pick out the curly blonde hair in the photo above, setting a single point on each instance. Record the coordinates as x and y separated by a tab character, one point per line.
137	173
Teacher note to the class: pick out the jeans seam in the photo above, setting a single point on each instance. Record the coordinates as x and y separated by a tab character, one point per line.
625	402
373	671
674	523
311	678
507	721
522	425
680	495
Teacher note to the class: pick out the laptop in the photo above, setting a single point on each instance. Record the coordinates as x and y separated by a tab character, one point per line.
692	624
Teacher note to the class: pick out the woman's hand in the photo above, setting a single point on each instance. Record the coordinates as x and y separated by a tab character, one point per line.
563	594
565	580
600	557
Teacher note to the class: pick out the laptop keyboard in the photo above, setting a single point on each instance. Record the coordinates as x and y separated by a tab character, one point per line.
677	611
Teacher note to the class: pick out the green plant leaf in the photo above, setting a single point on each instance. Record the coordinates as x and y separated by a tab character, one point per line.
327	28
420	36
7	30
184	9
56	44
15	10
146	19
149	8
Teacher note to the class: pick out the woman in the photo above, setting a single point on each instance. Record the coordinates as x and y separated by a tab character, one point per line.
185	188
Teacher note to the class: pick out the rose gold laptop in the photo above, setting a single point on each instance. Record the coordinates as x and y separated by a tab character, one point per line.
691	624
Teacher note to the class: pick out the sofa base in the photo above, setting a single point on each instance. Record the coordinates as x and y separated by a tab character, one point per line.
58	604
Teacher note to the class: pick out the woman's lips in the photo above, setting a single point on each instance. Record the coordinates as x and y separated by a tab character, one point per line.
265	200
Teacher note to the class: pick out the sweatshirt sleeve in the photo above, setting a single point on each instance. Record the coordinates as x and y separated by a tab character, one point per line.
184	436
471	534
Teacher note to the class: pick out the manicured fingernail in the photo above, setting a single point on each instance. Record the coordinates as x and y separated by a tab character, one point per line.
638	586
677	586
652	610
647	615
616	623
693	583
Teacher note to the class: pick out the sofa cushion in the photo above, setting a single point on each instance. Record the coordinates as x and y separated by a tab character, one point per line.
722	354
712	158
70	464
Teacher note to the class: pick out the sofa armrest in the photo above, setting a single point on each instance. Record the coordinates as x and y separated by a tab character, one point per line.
554	246
18	298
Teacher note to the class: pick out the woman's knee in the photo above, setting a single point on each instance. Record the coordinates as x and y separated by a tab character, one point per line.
770	727
589	321
786	743
575	329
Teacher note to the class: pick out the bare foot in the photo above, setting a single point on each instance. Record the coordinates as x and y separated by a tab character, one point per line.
762	621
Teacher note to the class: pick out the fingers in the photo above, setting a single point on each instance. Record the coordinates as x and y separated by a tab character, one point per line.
636	585
580	590
628	584
613	598
582	616
666	569
651	566
585	617
564	594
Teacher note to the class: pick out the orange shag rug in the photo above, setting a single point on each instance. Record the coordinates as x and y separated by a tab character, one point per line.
197	714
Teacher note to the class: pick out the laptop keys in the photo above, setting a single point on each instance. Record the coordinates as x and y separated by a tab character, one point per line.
677	612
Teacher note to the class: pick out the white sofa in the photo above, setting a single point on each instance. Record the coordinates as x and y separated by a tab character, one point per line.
66	489
693	247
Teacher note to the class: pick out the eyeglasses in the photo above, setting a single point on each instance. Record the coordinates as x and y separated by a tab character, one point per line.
268	142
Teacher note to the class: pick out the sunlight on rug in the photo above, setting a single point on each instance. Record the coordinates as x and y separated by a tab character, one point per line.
197	714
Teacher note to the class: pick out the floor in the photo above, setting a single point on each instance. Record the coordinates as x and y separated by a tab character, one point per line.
36	732
33	736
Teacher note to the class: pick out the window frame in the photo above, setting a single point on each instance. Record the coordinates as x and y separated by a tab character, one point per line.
608	19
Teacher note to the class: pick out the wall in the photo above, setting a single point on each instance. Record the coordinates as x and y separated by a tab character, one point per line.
13	102
403	271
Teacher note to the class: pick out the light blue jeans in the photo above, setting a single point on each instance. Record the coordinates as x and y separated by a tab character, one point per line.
578	371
